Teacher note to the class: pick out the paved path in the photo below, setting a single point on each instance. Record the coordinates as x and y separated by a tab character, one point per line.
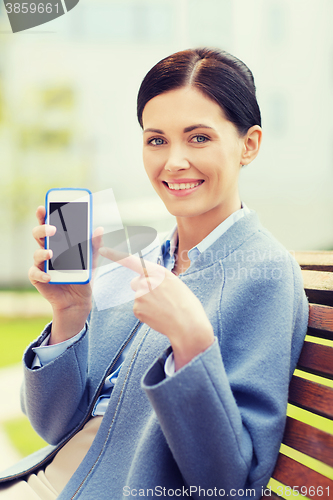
10	383
26	304
8	456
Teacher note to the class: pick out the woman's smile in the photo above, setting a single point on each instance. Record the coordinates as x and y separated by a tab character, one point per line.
182	187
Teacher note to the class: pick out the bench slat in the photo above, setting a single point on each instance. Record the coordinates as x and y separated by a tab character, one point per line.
311	396
291	473
317	359
320	334
319	261
320	321
309	440
318	287
321	317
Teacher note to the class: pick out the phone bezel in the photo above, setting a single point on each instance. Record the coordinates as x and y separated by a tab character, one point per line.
70	195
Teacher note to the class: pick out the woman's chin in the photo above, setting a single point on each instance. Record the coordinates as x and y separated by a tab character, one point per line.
182	211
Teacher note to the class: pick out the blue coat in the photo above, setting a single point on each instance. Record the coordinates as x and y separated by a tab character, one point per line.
217	423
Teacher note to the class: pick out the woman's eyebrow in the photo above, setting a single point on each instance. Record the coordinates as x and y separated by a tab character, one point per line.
154	130
186	129
193	127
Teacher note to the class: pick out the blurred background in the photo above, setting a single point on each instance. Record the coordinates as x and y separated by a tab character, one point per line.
68	119
68	111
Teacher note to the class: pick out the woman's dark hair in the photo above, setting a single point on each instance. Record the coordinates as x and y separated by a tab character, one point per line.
216	73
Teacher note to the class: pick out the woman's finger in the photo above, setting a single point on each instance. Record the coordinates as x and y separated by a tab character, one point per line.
135	283
142	285
40	256
97	238
40	232
40	214
132	262
36	275
140	282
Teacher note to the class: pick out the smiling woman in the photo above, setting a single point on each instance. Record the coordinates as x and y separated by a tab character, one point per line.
195	168
184	389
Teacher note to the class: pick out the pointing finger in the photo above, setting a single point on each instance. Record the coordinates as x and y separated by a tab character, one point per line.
40	214
132	262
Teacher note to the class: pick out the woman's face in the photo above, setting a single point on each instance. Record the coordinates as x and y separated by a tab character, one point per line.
192	154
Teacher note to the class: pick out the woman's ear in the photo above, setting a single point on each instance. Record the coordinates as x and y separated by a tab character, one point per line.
252	141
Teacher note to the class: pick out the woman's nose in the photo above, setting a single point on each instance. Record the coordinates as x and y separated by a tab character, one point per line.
177	161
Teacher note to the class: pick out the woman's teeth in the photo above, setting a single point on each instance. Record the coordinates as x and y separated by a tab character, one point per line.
183	185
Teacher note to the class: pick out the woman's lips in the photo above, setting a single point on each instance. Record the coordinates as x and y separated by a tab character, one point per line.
183	188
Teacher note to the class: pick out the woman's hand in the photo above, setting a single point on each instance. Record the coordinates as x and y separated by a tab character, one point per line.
168	306
71	304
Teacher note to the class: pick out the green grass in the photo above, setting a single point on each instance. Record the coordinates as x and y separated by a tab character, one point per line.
23	436
15	335
19	289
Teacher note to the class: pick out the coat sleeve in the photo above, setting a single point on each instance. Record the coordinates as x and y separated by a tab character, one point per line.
223	414
51	396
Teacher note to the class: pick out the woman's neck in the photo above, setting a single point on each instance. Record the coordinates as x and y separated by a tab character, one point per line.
192	230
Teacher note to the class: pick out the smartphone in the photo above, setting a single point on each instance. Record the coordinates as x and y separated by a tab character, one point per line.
70	211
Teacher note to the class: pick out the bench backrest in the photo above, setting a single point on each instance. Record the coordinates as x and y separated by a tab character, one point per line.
311	389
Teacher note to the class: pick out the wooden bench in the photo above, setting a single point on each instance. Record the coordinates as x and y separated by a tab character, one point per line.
314	396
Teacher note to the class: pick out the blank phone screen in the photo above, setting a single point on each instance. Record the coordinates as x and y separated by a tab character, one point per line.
70	242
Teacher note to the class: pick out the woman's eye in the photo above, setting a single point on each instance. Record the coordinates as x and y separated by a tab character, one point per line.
200	139
157	141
